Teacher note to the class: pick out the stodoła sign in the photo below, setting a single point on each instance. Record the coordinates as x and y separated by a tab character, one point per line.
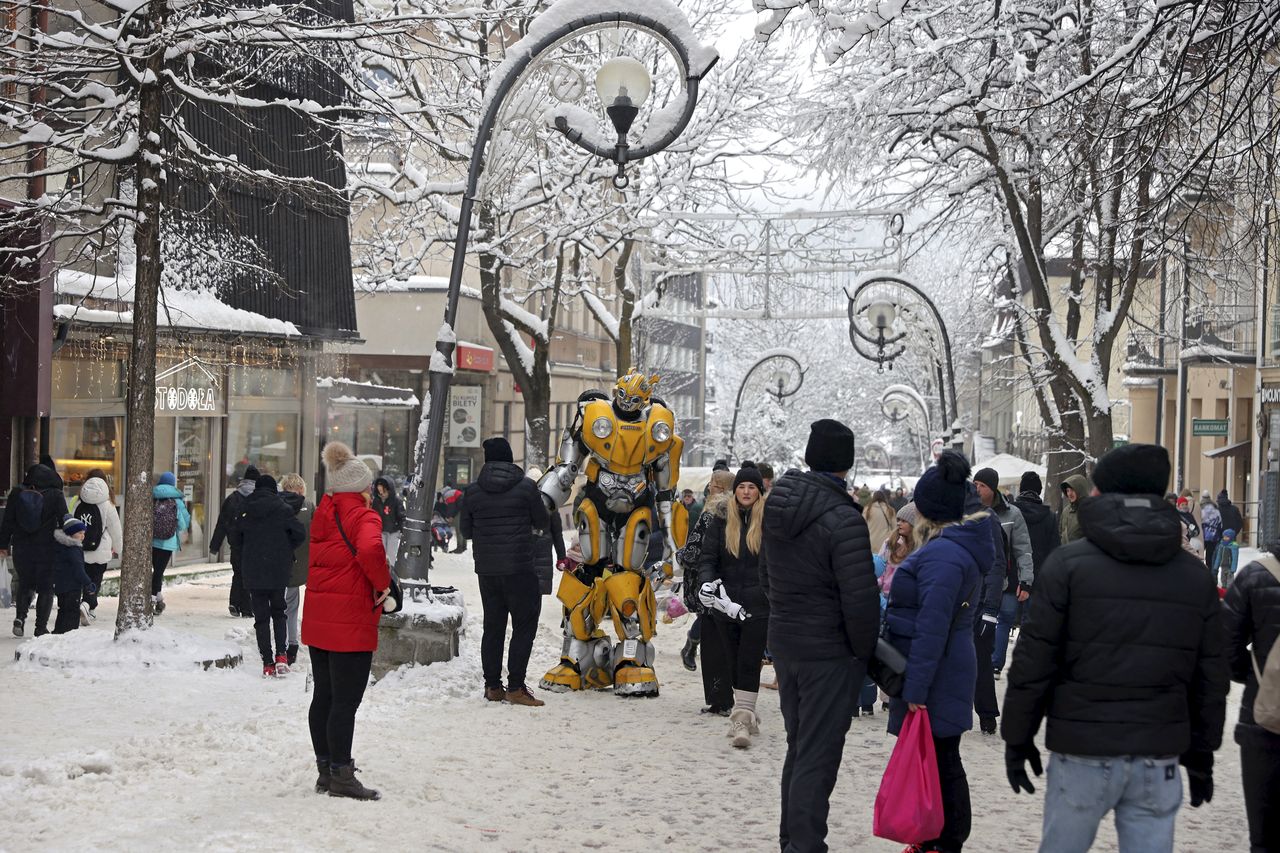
190	387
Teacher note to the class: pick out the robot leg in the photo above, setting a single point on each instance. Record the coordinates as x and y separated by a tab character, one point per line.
634	611
584	657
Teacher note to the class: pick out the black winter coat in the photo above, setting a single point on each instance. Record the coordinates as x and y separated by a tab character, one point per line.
1042	526
818	573
550	547
992	576
302	554
390	509
1123	649
266	534
232	506
33	550
1252	617
500	512
68	565
1231	517
741	574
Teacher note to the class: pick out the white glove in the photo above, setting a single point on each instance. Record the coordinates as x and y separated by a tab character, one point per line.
713	597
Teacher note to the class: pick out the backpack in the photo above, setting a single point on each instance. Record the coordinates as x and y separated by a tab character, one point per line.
1266	704
92	518
30	509
164	518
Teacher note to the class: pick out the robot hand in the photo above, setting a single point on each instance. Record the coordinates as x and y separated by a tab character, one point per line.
713	597
659	573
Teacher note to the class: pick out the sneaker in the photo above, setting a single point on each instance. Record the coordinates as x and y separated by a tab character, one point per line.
524	696
291	653
868	710
84	614
234	611
716	710
282	664
689	655
157	603
741	723
495	694
269	670
18	626
93	614
995	673
988	725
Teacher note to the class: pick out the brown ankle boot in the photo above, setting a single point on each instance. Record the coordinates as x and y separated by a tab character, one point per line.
495	694
322	779
523	696
343	783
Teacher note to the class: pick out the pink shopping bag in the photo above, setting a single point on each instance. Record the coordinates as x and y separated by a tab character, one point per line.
909	804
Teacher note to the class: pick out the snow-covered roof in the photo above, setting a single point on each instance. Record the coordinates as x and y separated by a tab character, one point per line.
179	308
1203	350
350	392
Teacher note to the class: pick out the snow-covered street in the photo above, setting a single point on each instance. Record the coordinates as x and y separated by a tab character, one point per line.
221	760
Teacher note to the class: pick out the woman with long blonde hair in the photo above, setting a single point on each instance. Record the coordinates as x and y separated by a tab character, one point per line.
729	576
715	680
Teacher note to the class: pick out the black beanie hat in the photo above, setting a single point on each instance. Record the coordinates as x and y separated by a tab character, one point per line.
720	465
265	483
251	473
1133	469
748	473
988	477
1030	482
939	494
497	449
830	447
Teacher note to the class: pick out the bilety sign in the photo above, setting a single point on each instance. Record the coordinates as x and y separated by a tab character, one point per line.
464	415
1208	426
190	387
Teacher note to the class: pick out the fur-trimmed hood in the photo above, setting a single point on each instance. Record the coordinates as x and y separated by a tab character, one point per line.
65	540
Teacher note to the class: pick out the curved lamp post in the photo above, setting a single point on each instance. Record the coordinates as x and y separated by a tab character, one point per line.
623	84
881	310
786	367
896	403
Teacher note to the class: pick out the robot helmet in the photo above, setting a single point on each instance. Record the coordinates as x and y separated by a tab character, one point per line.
631	394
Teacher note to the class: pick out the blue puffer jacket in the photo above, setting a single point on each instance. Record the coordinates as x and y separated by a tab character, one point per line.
164	490
929	589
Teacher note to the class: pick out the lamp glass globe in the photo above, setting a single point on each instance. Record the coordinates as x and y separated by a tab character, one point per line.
882	314
623	77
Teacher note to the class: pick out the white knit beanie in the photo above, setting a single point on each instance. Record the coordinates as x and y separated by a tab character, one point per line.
343	471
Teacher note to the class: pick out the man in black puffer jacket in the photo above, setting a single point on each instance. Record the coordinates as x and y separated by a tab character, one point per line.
1123	652
824	617
1253	619
501	511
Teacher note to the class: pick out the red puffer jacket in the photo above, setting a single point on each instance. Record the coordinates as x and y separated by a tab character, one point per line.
341	587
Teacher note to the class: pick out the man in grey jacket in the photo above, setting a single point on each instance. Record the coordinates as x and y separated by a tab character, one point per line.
987	482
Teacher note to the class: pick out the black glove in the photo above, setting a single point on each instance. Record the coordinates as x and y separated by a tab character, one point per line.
1015	760
1199	766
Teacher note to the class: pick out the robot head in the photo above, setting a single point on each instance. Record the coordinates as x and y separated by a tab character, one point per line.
631	394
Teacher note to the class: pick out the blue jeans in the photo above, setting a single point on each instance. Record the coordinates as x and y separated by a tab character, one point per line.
1144	793
1008	615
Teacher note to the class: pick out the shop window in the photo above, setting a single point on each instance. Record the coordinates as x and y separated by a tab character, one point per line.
267	440
342	427
84	379
264	382
80	445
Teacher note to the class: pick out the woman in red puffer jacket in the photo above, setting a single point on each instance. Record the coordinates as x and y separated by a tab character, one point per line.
347	579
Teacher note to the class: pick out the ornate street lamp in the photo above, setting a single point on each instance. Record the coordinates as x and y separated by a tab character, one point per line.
787	367
884	308
623	85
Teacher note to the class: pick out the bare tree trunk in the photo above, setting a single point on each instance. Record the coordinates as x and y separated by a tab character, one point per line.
622	344
135	563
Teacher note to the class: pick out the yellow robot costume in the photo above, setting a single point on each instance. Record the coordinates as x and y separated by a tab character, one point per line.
630	454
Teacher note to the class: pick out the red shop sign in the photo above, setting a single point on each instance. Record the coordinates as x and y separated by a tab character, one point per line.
472	357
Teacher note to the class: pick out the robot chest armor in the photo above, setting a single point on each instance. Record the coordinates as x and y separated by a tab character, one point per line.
619	446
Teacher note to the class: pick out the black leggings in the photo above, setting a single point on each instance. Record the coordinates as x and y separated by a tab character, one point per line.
95	571
159	562
340	680
958	817
268	615
744	642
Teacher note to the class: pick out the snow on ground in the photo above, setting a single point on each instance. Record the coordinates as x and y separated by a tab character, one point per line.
221	760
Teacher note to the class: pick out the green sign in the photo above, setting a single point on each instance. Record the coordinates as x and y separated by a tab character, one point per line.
1202	426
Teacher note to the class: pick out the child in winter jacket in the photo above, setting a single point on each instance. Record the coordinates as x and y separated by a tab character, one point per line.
69	577
1226	558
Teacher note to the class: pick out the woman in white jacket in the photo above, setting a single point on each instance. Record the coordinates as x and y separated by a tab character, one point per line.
103	537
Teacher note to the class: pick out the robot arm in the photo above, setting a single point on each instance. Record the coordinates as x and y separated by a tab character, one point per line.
666	471
557	484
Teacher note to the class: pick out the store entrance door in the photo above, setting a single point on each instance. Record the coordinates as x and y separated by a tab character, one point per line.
185	446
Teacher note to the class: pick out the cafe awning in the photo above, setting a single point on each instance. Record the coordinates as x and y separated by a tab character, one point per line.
1239	450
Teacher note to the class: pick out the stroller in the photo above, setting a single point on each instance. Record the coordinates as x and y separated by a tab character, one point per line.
441	532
